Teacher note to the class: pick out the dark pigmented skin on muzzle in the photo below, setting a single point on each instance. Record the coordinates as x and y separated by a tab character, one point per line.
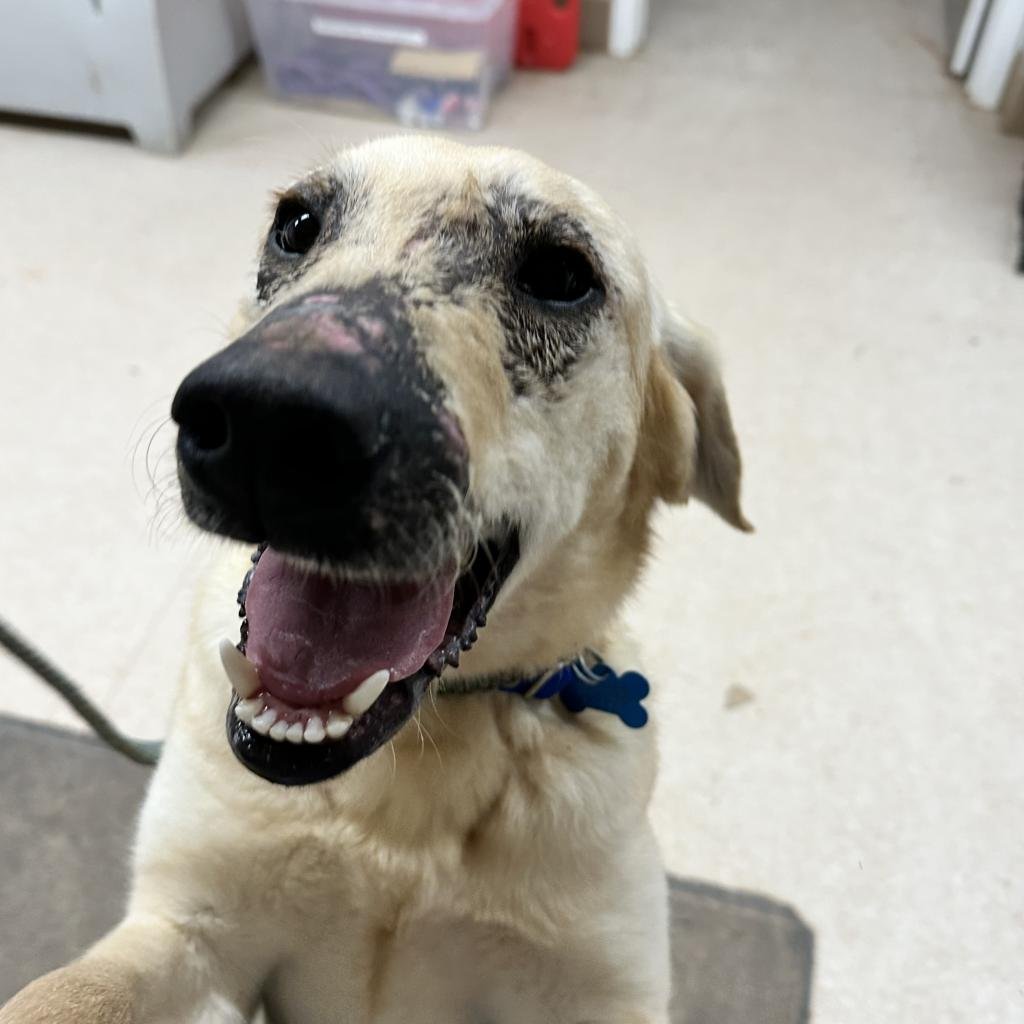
323	432
476	241
477	255
334	202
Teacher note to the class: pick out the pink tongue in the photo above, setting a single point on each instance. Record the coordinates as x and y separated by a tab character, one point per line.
315	639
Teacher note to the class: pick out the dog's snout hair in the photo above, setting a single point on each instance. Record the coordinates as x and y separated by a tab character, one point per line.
322	431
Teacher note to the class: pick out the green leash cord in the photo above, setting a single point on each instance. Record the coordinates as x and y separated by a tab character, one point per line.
140	751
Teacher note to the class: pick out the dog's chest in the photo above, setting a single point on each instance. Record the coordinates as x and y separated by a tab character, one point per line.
480	886
438	969
470	927
400	938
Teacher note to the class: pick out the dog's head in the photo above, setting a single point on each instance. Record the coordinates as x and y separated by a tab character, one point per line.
453	388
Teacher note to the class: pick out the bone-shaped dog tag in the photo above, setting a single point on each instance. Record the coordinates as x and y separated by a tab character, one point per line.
603	690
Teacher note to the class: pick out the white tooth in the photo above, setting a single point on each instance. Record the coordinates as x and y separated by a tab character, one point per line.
363	696
263	721
240	670
294	733
247	710
314	730
338	725
278	730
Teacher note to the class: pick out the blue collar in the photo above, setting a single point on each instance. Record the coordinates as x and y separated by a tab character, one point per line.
579	685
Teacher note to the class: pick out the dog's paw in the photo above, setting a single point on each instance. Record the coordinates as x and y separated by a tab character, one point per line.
68	996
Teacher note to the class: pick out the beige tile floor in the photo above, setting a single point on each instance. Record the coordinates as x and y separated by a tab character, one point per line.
807	180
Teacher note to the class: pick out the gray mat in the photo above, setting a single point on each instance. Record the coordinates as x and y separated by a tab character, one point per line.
66	811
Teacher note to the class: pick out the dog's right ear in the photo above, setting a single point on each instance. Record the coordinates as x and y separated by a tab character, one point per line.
690	430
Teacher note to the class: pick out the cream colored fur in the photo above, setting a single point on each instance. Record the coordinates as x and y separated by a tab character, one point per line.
494	864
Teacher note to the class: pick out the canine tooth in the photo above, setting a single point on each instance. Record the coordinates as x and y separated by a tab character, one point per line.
338	725
264	720
241	672
363	696
294	733
278	730
247	710
314	732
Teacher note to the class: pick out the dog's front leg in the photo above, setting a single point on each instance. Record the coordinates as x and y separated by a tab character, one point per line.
148	970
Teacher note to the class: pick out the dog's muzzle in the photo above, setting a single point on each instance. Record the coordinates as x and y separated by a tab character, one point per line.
322	435
322	432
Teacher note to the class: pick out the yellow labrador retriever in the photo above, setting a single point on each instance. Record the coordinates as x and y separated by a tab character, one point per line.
414	790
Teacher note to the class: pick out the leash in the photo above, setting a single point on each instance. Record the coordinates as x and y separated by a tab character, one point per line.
139	751
585	682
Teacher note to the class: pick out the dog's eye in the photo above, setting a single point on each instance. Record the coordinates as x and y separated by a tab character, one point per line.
295	228
557	274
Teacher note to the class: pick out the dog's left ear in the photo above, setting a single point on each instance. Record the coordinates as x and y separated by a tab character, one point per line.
689	425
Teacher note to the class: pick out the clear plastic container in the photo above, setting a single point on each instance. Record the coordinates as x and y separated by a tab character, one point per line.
431	63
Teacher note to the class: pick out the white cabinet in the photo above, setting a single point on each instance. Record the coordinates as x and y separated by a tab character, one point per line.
143	64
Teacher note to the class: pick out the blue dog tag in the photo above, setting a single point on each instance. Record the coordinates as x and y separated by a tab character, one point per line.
598	687
580	686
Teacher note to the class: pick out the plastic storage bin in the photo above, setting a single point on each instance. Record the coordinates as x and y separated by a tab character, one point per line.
431	63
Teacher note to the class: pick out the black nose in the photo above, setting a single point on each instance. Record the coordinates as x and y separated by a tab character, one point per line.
257	432
322	432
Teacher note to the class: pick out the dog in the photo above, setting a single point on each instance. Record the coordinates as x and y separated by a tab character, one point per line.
453	402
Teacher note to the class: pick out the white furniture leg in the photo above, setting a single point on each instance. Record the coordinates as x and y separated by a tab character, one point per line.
627	26
999	45
967	38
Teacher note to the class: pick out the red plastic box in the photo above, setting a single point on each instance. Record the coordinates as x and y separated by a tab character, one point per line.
549	33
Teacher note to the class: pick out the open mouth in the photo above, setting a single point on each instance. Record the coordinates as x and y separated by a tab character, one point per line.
328	670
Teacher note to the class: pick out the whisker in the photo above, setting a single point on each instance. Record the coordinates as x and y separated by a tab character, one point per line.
437	749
